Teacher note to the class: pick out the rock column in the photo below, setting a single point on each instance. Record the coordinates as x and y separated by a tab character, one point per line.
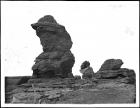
56	60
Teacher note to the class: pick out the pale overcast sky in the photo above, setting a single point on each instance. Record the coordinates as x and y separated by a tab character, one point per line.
99	31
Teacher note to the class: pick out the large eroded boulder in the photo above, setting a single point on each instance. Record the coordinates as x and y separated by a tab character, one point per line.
111	64
54	67
56	60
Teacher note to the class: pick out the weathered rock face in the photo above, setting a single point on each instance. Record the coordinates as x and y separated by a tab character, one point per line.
87	73
111	64
123	72
56	58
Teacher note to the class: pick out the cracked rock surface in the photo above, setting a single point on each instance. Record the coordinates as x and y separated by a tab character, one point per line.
70	90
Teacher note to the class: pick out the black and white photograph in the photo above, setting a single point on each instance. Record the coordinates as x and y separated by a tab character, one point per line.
69	53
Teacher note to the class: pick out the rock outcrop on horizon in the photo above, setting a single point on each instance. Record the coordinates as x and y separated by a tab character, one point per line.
56	60
111	69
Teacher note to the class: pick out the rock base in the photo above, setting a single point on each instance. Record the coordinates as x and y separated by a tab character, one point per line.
72	91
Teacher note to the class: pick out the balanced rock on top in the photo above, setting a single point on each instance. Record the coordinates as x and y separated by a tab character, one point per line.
53	36
86	70
111	64
56	60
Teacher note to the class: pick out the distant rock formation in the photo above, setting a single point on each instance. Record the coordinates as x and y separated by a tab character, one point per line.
56	60
111	69
86	70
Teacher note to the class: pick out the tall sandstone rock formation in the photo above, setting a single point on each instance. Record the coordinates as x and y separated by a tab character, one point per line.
56	60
